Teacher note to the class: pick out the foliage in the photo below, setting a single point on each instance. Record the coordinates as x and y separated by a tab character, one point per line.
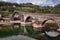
49	26
29	29
27	7
7	31
5	13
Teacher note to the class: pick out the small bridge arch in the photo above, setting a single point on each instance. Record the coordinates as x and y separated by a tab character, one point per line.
29	19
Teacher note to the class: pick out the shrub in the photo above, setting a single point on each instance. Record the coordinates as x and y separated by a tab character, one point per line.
7	31
51	26
29	29
27	9
4	13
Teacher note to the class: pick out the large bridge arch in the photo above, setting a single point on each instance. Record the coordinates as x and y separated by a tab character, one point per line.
43	22
50	20
16	15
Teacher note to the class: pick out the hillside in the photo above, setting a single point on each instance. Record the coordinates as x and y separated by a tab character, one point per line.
6	8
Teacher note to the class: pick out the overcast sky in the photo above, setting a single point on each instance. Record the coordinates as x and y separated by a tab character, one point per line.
36	2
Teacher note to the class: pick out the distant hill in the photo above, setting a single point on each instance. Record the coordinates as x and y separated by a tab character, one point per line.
6	8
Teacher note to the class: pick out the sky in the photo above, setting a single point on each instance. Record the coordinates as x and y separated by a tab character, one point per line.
36	2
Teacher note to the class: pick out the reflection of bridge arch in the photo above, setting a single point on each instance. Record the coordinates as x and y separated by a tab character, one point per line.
29	19
17	16
17	25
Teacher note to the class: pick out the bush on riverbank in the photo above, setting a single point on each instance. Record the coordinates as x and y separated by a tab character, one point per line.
7	31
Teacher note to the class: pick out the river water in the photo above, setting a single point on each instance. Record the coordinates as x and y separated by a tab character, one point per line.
18	37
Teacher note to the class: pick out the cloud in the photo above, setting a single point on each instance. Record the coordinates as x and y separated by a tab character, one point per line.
14	1
18	1
45	2
5	0
42	2
31	1
37	2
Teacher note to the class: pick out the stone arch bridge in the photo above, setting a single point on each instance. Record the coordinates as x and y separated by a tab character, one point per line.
21	17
